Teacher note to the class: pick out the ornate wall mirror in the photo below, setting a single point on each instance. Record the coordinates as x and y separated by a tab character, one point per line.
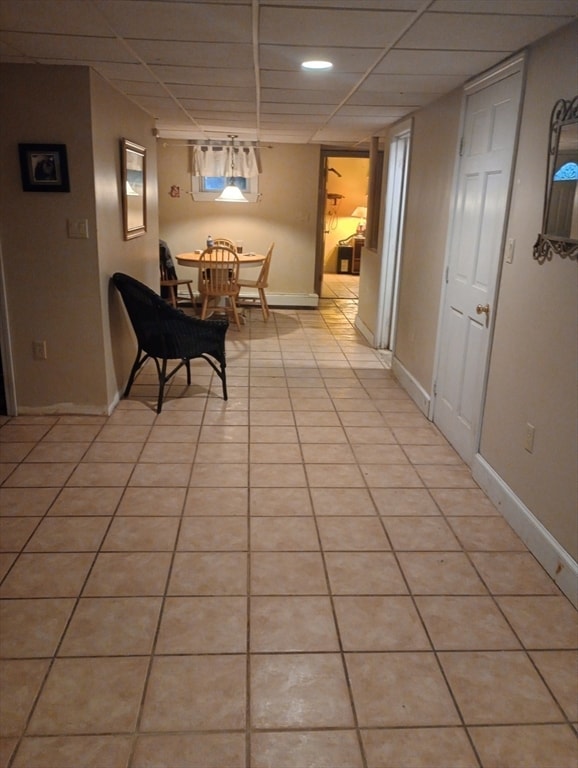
560	223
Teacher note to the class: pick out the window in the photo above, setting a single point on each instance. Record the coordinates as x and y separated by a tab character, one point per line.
213	167
207	188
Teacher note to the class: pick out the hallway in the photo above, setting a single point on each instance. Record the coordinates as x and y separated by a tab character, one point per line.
306	575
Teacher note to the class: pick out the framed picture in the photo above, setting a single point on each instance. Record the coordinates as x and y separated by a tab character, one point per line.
44	167
133	184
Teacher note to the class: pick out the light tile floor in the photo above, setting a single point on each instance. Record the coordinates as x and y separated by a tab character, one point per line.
304	576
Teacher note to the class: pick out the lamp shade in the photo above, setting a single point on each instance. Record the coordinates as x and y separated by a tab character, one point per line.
231	194
359	213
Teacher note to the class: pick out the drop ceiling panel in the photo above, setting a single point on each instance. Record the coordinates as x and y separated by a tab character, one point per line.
216	107
58	47
477	32
206	22
229	55
519	7
420	63
209	93
289	58
388	113
404	83
269	108
384	99
68	18
294	96
302	81
243	78
117	71
371	5
314	27
219	66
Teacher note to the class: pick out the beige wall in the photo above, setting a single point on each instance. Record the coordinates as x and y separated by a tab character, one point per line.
113	118
50	279
434	141
57	288
285	215
533	363
534	357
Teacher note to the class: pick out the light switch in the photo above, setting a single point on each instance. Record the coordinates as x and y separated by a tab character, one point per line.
510	250
78	228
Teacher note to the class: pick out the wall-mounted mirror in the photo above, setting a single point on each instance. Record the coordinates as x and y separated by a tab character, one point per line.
560	223
133	184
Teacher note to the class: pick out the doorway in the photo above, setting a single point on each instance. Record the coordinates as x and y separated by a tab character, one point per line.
490	125
342	212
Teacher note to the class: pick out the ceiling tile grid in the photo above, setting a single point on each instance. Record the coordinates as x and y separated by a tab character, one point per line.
208	69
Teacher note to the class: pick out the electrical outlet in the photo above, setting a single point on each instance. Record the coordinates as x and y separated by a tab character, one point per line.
529	441
39	351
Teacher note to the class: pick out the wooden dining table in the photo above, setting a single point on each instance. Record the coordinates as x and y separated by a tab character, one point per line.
193	259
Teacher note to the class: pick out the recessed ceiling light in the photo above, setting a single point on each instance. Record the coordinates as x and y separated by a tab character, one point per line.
317	64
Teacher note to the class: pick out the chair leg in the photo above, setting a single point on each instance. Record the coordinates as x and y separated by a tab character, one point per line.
233	303
224	381
162	371
138	363
204	306
264	305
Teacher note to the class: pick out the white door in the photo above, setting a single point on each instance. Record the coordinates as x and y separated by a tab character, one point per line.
475	247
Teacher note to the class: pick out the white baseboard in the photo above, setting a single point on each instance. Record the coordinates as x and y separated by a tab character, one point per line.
293	299
285	299
413	388
58	409
558	563
364	330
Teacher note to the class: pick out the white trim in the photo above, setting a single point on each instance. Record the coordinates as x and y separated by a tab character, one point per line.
67	408
503	70
285	299
273	299
6	347
411	385
557	563
364	331
394	228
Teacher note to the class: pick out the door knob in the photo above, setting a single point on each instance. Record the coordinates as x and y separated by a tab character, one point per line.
484	309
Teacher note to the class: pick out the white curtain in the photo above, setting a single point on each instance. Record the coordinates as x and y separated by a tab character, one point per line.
228	161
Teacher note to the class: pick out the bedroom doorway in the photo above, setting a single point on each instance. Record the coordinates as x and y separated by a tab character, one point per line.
342	213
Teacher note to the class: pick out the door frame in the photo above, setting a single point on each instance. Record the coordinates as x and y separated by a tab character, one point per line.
325	153
505	69
394	228
6	346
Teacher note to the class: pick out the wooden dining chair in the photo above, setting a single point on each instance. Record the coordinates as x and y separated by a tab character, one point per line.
259	284
223	242
170	282
219	281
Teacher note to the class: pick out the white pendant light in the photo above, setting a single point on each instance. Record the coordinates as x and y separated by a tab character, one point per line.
232	193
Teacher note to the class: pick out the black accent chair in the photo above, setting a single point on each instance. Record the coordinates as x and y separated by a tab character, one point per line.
164	333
